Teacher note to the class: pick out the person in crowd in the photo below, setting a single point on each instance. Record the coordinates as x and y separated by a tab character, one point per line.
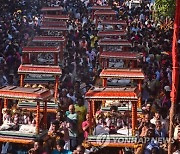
38	148
85	126
72	124
60	148
81	111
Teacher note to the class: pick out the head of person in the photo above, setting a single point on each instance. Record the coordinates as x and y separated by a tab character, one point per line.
150	133
59	116
114	109
80	101
80	149
60	145
146	118
76	85
87	116
38	144
148	106
55	125
158	125
71	108
157	115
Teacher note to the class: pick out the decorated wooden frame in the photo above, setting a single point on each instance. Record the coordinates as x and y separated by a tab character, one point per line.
128	58
27	51
50	41
40	69
108	14
121	94
18	93
52	10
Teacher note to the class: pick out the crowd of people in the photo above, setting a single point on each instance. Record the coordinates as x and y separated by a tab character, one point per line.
19	23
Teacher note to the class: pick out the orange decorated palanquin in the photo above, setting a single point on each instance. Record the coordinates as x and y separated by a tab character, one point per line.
55	71
53	30
114	44
103	94
27	51
50	41
52	10
18	93
127	57
95	8
106	14
130	74
114	24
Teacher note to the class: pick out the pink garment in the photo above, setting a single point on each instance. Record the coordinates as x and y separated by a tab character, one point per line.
84	124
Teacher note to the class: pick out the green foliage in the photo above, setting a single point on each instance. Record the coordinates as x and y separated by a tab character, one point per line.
165	8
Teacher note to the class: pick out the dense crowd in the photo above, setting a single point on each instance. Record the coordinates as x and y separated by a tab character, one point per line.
19	23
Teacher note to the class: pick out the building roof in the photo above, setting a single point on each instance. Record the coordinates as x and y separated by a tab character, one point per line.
120	55
36	94
111	33
101	8
40	49
53	23
113	22
56	17
114	42
58	28
124	94
45	9
39	69
122	73
48	39
105	12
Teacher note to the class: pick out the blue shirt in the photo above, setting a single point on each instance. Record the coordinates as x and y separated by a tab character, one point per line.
62	152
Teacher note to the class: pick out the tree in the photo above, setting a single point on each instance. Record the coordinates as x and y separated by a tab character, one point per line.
164	8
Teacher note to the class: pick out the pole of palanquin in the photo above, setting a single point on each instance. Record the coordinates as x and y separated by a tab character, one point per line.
56	88
90	117
134	117
38	118
5	103
140	89
45	115
175	72
21	80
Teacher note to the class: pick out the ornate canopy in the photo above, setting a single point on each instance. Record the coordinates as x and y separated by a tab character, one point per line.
114	42
120	55
105	12
56	17
39	69
48	39
36	94
54	23
113	22
57	28
40	49
111	33
124	94
123	73
46	9
101	8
